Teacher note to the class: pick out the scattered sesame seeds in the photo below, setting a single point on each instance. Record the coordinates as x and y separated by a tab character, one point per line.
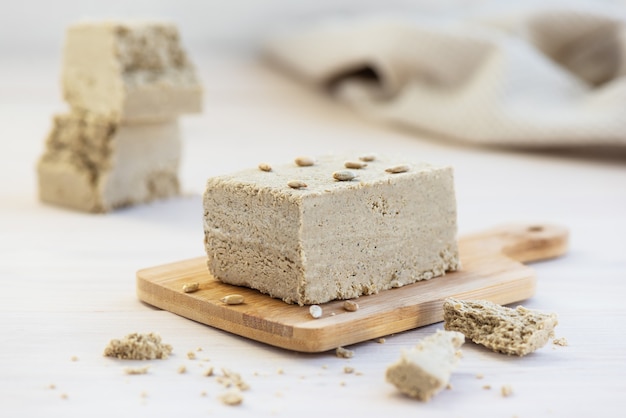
344	353
479	375
182	369
350	306
208	372
344	175
233	299
315	311
348	369
265	167
297	184
64	396
487	387
357	165
52	386
402	168
304	161
74	358
191	287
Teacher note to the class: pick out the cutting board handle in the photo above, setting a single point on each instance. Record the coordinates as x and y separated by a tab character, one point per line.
522	241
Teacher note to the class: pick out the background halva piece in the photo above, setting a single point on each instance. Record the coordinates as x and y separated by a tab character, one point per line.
510	331
135	71
93	164
425	369
329	239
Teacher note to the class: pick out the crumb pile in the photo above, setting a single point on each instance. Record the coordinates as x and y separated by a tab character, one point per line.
138	347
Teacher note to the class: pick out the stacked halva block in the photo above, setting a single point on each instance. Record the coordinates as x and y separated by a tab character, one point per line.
119	145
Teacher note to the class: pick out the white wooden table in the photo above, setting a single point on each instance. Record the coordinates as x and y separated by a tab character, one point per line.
68	279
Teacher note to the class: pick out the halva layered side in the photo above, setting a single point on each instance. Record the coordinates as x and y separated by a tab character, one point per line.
93	164
314	231
132	72
425	369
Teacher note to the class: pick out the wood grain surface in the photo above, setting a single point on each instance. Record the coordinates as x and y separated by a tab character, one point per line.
491	270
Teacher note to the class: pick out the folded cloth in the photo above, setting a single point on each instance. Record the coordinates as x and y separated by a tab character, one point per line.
545	78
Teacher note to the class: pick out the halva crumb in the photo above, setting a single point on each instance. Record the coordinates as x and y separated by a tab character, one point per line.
315	311
138	347
232	379
506	390
136	370
562	341
344	353
518	331
231	398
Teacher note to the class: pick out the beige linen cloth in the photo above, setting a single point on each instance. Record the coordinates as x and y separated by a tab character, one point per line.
549	78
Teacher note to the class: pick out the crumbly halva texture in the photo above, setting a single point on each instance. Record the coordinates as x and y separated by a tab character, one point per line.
518	331
344	352
232	379
129	71
231	397
137	346
425	369
137	370
94	164
388	229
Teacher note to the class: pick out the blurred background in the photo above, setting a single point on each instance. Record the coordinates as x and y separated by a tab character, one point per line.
38	26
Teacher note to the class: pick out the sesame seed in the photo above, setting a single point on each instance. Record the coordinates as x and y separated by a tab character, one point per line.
296	184
304	161
402	168
232	299
344	175
355	164
367	157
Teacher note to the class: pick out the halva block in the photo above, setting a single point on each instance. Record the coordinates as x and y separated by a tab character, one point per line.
518	331
304	234
94	164
134	71
425	369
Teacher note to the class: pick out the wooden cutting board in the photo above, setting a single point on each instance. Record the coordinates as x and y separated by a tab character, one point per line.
492	269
